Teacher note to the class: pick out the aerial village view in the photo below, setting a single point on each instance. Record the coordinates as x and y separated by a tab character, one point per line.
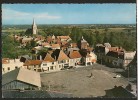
69	51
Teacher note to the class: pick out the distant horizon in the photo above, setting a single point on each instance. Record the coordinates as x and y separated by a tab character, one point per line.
71	24
68	13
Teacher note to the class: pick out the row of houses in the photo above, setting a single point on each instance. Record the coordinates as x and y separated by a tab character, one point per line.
114	56
54	60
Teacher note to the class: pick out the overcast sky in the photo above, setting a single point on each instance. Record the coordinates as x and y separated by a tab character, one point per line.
69	13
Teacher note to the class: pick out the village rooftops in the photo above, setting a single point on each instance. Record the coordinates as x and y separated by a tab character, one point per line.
59	55
74	54
32	62
63	37
23	75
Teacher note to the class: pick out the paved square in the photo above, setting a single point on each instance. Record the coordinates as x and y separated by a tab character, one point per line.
83	81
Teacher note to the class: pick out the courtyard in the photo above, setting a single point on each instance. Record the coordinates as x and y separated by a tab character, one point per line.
90	81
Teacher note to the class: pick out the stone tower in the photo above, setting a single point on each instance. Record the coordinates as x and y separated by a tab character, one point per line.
34	27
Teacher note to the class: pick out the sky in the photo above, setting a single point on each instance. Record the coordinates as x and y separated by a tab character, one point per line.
14	14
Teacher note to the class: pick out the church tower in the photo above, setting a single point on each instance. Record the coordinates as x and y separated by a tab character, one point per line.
34	27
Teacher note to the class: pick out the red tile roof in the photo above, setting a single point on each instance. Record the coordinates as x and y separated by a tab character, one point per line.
62	56
45	44
4	61
48	58
32	62
74	54
63	37
55	45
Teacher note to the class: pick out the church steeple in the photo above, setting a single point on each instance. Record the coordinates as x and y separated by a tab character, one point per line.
34	27
34	22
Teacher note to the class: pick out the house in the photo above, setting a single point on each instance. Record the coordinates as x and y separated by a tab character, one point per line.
120	58
64	38
10	64
114	58
75	58
39	37
49	64
93	57
83	44
55	60
26	40
61	58
88	58
104	53
21	78
34	65
49	39
128	57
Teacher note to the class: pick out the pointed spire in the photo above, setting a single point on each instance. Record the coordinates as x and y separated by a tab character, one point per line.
34	21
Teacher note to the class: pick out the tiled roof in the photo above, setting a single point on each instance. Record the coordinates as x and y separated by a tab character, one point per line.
74	54
59	55
63	37
23	75
49	38
32	62
45	44
48	58
5	60
55	46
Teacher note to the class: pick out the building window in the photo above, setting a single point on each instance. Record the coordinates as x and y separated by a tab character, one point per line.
8	68
44	64
3	69
16	67
52	62
34	66
51	67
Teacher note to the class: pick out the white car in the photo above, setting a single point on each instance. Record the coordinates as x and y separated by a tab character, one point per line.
118	75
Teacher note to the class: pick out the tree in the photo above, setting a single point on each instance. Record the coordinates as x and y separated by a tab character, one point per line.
28	32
